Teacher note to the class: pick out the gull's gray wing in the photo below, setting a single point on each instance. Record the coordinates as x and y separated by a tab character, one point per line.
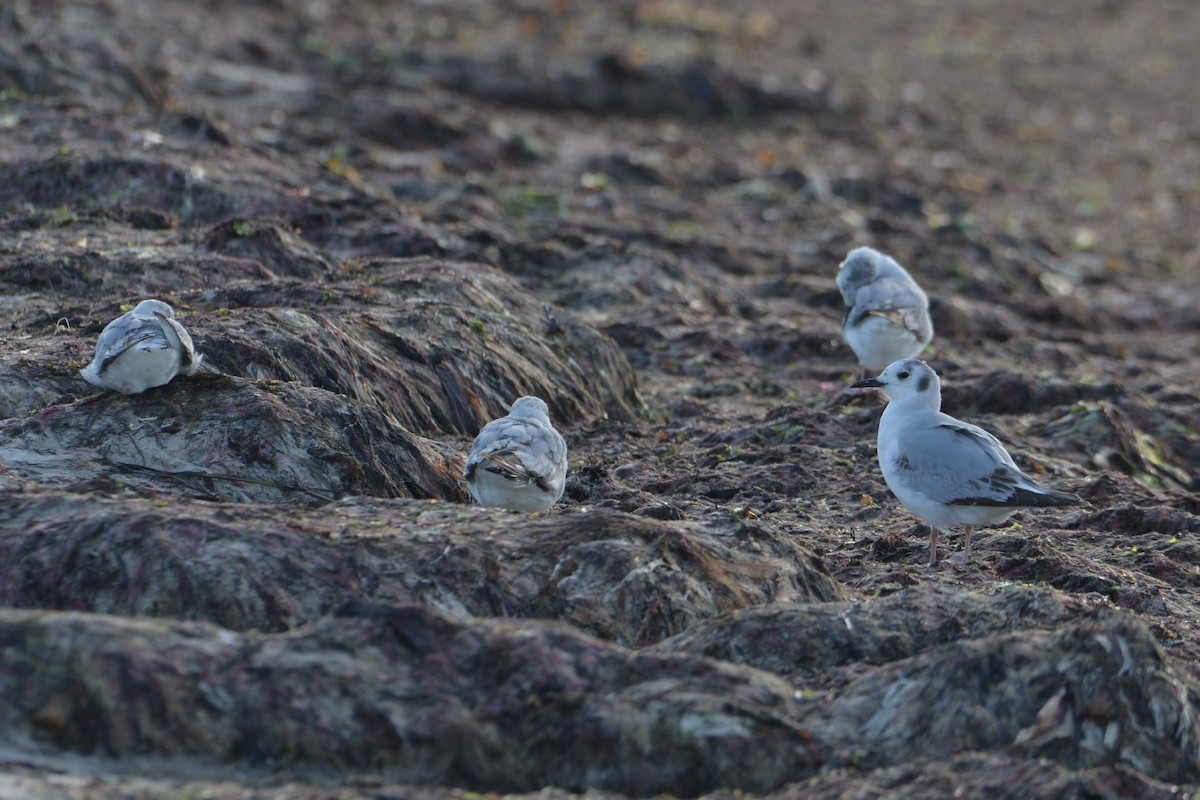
896	298
956	463
125	332
523	450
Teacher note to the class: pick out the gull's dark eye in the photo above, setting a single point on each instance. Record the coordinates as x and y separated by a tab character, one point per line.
903	375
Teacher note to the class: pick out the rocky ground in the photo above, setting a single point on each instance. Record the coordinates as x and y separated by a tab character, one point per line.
380	222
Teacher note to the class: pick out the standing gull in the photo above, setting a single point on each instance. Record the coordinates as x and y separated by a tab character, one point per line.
141	349
946	471
887	314
518	462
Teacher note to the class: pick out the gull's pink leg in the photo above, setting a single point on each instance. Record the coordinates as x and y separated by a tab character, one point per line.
965	556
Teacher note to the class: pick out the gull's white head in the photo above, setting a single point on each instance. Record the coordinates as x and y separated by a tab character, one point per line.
857	270
907	379
862	266
530	406
147	308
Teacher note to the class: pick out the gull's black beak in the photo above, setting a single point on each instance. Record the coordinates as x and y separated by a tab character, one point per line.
869	383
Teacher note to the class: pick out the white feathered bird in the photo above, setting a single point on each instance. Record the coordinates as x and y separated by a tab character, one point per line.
519	461
946	471
887	314
141	349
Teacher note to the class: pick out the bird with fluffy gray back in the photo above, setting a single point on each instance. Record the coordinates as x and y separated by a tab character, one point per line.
887	314
519	461
141	349
947	472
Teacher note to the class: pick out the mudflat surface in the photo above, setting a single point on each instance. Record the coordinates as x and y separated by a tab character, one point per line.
380	222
